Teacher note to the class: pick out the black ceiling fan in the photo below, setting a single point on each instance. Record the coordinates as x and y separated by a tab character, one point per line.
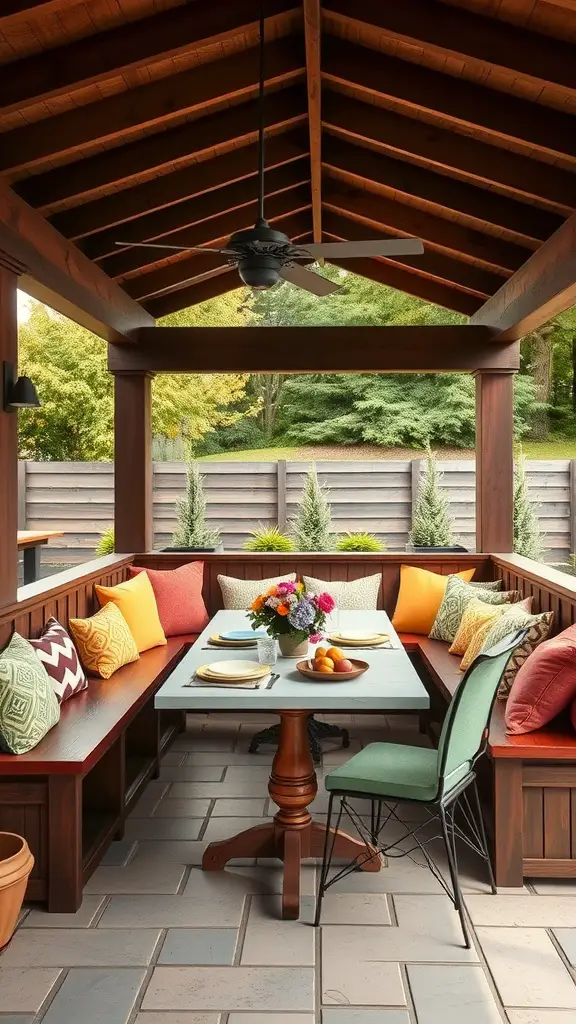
265	256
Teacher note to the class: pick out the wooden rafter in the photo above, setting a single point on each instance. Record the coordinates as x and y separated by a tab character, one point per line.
225	281
463	102
188	212
170	188
186	27
541	288
59	274
14	11
183	271
441	148
191	140
193	90
456	31
481	205
439	232
312	33
445	268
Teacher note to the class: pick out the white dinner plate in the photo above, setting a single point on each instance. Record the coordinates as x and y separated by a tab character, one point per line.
237	669
359	636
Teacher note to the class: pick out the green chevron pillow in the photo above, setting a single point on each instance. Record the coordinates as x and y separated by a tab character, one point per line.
457	597
28	704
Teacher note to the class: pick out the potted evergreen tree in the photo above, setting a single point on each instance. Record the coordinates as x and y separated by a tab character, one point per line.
431	526
192	532
312	526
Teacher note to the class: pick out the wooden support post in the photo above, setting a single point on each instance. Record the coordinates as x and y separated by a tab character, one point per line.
9	272
494	462
133	529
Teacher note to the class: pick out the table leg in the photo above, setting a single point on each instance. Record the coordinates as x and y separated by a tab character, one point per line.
31	566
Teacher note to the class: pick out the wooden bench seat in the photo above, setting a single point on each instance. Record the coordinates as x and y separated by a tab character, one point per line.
70	795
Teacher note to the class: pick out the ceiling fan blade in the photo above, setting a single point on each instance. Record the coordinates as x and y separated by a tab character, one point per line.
175	248
385	247
310	282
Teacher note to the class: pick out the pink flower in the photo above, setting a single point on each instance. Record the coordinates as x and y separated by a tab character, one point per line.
325	603
286	587
315	638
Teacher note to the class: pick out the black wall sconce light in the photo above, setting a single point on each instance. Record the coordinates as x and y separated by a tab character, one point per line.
17	393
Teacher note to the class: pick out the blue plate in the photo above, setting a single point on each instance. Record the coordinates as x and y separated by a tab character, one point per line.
243	634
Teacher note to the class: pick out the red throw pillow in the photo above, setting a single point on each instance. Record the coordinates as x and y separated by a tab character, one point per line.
544	685
573	713
178	594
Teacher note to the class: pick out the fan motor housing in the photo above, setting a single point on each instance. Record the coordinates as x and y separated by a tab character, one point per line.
259	271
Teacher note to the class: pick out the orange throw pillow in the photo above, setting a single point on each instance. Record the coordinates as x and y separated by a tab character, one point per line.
419	598
179	598
135	599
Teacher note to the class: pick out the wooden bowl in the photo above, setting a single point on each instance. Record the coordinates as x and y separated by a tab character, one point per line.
332	677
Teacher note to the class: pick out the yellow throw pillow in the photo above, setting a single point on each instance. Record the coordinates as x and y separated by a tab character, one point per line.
135	599
419	598
475	615
521	608
104	641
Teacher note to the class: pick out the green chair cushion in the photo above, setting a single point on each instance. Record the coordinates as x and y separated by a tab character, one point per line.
392	770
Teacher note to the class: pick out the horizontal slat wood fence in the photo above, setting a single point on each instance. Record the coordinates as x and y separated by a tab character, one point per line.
78	498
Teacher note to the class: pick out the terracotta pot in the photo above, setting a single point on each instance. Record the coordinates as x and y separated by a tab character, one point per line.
16	863
291	648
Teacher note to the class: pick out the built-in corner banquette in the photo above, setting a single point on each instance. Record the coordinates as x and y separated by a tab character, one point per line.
70	795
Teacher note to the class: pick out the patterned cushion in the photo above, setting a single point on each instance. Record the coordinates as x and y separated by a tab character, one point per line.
57	653
476	642
238	594
457	597
28	705
515	618
477	614
104	641
349	595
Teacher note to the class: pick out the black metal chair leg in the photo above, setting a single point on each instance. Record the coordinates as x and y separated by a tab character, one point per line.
458	903
482	834
326	859
317	731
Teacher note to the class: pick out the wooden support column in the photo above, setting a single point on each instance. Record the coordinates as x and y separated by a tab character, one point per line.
9	272
494	461
133	529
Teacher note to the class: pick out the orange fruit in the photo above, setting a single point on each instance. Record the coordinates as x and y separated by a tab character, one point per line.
324	661
335	654
323	667
321	652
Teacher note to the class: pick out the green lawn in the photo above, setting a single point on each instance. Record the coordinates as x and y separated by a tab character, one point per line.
554	449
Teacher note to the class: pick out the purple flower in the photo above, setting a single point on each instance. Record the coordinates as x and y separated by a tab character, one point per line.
302	615
325	602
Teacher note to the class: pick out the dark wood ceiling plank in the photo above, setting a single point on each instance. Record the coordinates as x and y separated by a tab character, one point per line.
191	140
100	56
447	193
183	271
211	288
208	231
377	211
169	188
445	268
544	286
59	274
185	92
445	149
461	33
312	37
13	12
171	220
463	102
412	284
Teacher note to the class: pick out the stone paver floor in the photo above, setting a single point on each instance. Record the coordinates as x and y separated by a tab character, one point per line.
157	941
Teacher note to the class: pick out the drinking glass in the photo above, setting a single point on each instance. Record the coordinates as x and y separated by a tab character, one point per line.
267	649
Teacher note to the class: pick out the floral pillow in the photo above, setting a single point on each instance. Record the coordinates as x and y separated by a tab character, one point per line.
457	597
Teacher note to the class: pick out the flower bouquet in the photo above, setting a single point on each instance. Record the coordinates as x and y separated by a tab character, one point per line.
292	615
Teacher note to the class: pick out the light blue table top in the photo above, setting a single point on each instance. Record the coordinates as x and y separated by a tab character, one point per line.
390	684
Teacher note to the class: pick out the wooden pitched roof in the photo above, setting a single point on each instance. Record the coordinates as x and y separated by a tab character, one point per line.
453	120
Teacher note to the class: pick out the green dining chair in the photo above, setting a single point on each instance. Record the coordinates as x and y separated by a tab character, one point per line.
442	780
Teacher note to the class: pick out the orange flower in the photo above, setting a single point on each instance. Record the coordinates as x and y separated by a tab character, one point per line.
257	603
283	609
271	592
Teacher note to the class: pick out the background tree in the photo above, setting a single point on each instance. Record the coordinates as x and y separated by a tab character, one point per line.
431	526
313	524
192	530
526	530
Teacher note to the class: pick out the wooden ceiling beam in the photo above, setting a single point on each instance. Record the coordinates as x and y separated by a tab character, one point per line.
60	275
466	103
410	349
170	220
225	281
208	231
393	276
460	242
455	273
464	34
447	193
193	140
183	272
312	37
13	12
186	92
441	148
102	55
543	287
191	181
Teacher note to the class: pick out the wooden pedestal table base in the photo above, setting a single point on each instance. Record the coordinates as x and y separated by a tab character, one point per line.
292	835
